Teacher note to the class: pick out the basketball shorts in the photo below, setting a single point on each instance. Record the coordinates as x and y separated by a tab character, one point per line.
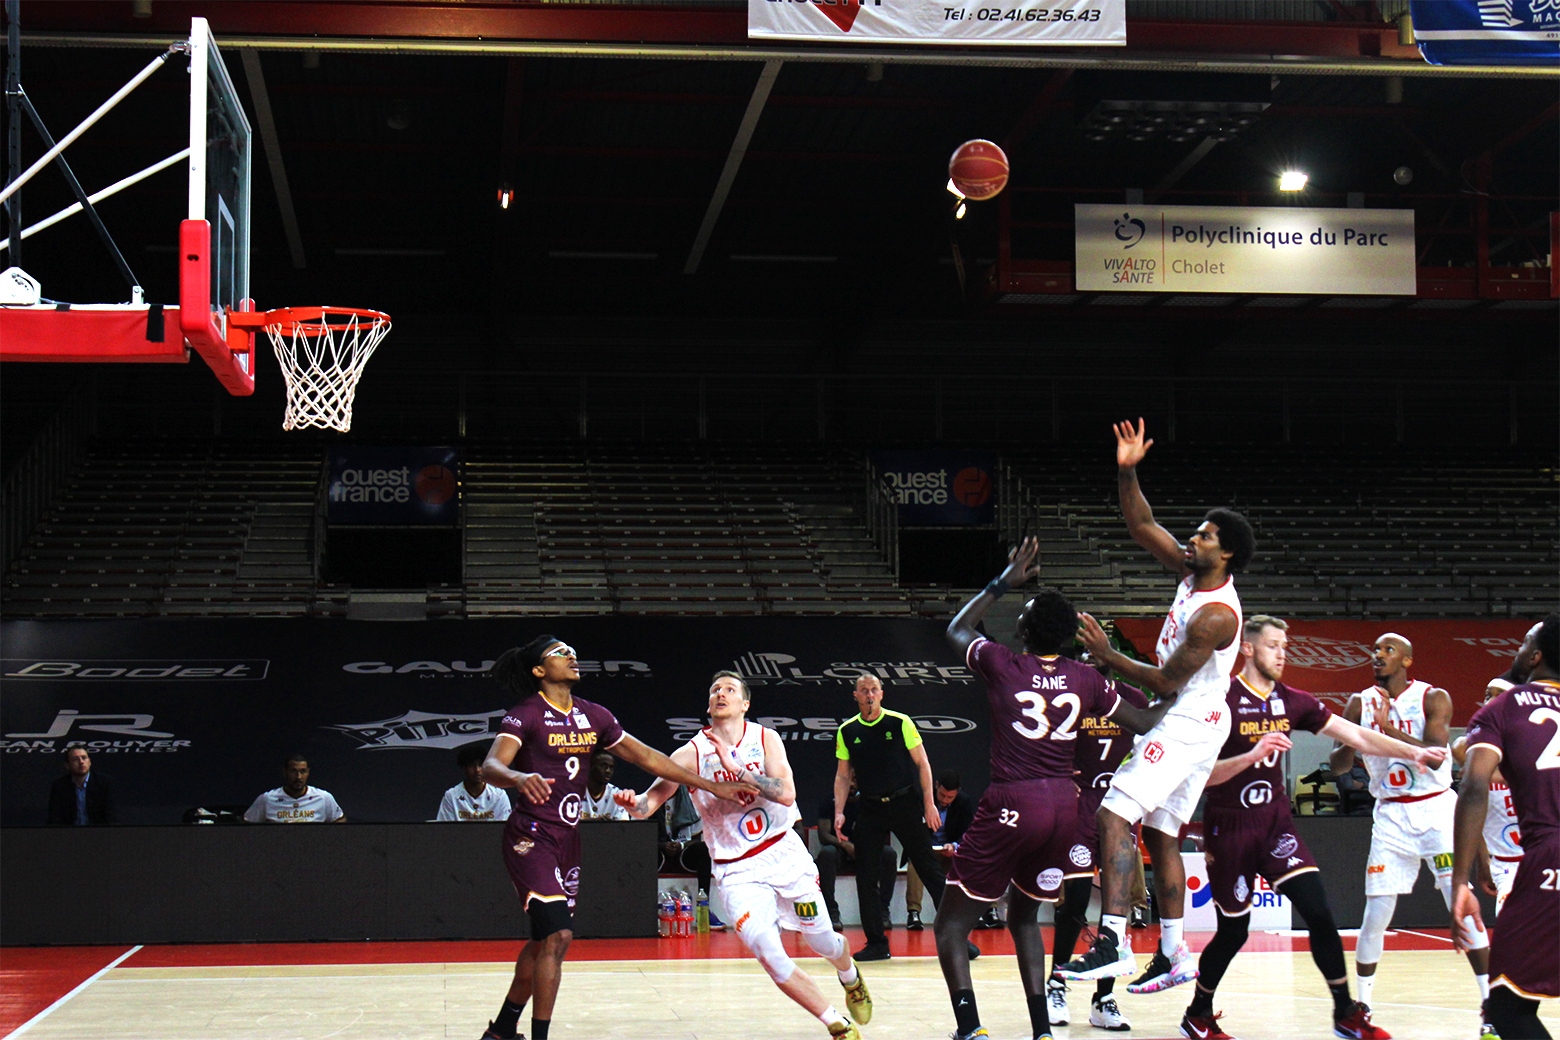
1504	873
1021	835
543	860
775	887
1402	834
1244	844
1084	855
1160	781
1525	949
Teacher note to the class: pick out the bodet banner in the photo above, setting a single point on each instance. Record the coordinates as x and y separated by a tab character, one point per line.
202	713
1239	249
1093	23
1332	658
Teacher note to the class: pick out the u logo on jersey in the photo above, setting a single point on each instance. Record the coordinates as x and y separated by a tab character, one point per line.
753	825
1399	776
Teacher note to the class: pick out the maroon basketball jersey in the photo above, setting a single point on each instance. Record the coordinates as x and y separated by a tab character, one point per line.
1252	714
1102	743
1036	706
558	745
1523	726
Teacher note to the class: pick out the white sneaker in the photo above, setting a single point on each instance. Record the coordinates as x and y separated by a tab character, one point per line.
1056	1002
1163	971
1104	1013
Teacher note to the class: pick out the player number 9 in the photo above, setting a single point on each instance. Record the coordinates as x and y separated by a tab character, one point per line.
572	764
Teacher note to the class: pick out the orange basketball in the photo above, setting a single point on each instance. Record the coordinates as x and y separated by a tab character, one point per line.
979	169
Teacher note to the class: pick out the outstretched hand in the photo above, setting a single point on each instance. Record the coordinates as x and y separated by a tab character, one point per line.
1092	636
743	793
1022	563
1131	444
1428	758
630	801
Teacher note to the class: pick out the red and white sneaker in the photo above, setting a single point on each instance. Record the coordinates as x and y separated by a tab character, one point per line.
1356	1025
1203	1027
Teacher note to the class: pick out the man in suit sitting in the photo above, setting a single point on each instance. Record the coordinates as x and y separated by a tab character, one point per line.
81	797
957	810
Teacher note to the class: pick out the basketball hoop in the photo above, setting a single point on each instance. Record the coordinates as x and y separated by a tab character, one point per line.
322	351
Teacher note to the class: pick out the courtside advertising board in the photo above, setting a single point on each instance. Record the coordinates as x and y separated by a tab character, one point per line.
1243	249
1093	23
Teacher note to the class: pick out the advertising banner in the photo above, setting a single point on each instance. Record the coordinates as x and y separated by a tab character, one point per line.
202	713
940	488
1094	23
1269	909
1243	249
394	486
1332	658
1487	32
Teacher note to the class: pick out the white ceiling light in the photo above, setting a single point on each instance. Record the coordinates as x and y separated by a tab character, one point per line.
1292	180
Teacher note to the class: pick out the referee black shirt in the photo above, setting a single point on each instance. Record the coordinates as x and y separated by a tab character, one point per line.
880	752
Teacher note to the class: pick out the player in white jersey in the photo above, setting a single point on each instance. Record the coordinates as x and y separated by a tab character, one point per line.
1502	851
1161	780
1413	817
765	876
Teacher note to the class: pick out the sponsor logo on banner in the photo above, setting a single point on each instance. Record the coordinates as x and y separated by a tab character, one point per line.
422	729
1241	249
122	670
816	727
1012	23
132	731
461	667
759	669
1269	909
409	485
1323	654
1487	32
939	488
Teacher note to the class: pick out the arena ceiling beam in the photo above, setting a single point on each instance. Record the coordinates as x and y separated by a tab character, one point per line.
720	34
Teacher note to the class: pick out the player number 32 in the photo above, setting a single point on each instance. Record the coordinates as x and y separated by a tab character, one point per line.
1035	713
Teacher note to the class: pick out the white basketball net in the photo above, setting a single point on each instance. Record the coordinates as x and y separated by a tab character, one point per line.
323	351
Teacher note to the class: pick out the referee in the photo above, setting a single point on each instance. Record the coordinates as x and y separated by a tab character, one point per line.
895	780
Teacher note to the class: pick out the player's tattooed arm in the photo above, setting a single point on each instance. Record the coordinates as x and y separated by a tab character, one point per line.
1473	799
1131	446
1341	760
1229	768
1022	566
1210	628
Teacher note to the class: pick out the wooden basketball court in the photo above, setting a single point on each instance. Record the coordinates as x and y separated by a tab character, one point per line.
694	989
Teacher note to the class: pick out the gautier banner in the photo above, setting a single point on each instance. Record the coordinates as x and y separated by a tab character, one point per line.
963	22
1241	249
1332	658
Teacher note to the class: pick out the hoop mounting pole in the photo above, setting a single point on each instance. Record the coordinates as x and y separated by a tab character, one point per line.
13	90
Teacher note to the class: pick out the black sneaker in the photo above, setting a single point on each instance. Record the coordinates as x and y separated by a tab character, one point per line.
990	919
974	950
874	952
1165	971
913	921
491	1033
1105	960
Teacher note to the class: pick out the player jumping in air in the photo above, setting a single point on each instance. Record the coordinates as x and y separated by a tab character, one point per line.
766	878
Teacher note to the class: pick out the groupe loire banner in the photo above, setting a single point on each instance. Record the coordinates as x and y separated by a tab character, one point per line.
1487	32
202	712
394	486
1241	249
1332	658
1091	23
940	488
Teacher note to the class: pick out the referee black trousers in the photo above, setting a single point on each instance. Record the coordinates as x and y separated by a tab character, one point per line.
905	818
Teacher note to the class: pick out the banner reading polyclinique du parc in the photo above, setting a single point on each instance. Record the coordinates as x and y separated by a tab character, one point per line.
202	713
961	22
1240	249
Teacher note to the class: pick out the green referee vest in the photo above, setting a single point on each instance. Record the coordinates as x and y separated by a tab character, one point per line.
880	752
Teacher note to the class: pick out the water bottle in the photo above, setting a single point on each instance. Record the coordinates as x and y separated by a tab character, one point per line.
702	913
684	914
664	914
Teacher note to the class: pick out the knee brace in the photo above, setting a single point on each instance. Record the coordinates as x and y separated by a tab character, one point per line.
825	942
1373	928
770	951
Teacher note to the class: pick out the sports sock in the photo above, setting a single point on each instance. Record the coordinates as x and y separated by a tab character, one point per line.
830	1017
1169	934
1116	926
539	1028
508	1018
1104	988
1039	1014
964	1012
1484	986
849	976
1367	986
1342	1002
1202	1002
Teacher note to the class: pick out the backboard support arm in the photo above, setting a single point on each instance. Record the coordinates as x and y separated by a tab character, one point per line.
13	90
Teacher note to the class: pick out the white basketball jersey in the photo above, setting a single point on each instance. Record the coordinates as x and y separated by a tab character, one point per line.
1501	834
730	830
1211	683
1395	777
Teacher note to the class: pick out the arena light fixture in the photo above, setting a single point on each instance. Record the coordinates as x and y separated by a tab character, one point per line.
1292	180
506	195
958	214
953	189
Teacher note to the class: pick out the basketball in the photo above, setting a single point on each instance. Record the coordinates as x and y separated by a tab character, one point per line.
972	487
434	485
979	169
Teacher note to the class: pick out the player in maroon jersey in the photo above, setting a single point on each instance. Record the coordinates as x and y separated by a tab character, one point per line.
543	749
1248	831
1023	828
1519	731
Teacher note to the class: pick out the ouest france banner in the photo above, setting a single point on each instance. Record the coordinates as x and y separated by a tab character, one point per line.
1242	249
1093	23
